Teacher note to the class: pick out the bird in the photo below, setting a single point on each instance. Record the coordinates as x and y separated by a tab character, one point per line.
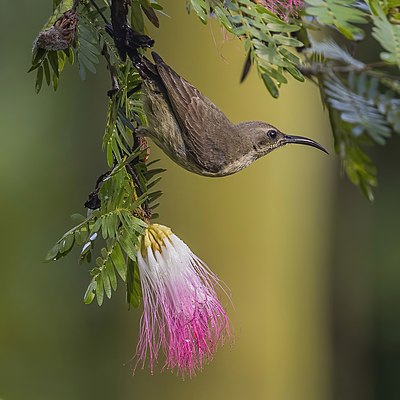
194	132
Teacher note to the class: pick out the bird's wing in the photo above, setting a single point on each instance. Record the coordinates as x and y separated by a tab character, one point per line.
205	127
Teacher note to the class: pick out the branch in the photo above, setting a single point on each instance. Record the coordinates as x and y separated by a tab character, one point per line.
319	68
119	13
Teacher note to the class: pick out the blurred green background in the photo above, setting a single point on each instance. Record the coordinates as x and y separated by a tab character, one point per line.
313	268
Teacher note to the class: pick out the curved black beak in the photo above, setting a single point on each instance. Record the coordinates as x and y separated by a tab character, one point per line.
302	140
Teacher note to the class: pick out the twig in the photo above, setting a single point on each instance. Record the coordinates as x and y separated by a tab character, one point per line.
98	9
319	68
75	4
114	80
127	42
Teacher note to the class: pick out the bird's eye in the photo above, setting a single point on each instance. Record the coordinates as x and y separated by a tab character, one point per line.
272	134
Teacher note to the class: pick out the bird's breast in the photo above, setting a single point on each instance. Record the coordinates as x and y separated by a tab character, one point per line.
237	164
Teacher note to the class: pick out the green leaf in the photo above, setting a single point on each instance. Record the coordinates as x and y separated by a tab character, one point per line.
295	73
38	56
134	289
87	50
90	293
220	14
388	35
357	105
81	235
99	290
70	55
332	51
360	169
137	21
55	82
53	59
128	244
267	41
56	3
287	41
282	27
39	79
47	71
270	85
106	283
67	243
155	5
200	7
362	111
82	72
341	14
119	262
52	254
111	274
61	6
78	218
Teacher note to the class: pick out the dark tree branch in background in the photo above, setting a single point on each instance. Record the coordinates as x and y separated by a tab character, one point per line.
127	41
119	12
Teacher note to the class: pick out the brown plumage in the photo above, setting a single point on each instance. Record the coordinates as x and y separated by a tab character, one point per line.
194	132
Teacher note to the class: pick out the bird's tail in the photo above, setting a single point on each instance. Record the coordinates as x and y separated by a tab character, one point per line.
147	69
157	58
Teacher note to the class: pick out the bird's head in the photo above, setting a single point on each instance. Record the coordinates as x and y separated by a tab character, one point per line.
264	138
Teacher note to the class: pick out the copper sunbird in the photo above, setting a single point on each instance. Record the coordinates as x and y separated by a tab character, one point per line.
194	132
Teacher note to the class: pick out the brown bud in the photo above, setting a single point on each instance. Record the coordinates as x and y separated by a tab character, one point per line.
61	35
144	146
143	213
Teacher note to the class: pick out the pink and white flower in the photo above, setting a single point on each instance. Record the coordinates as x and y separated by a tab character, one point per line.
182	315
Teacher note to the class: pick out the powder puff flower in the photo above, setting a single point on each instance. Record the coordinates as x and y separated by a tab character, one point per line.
182	316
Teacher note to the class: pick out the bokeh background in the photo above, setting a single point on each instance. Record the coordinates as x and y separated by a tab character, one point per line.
313	267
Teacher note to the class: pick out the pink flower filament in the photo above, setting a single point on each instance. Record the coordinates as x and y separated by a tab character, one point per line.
182	315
